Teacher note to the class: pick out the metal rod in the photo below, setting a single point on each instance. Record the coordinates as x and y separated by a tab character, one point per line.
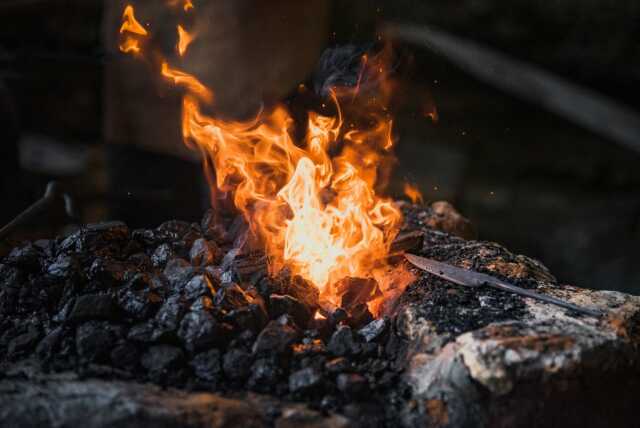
50	195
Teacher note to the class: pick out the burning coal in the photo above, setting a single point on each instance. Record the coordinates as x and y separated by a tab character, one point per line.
314	204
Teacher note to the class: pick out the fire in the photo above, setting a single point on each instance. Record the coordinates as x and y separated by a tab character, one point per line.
313	204
184	40
131	29
413	193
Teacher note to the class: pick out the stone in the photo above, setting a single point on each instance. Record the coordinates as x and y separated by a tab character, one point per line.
279	305
275	338
204	252
94	307
237	364
374	331
206	365
342	342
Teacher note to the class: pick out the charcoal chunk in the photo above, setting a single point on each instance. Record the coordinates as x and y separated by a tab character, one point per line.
125	355
305	380
94	306
252	317
100	238
169	316
49	343
357	290
144	332
359	316
343	343
199	331
139	304
237	364
374	330
275	338
204	252
96	339
64	266
230	297
199	285
25	342
26	257
338	316
178	272
352	384
265	374
337	365
279	305
162	358
162	254
107	272
312	347
206	365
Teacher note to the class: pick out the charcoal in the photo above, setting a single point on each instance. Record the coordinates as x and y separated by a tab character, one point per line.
407	242
199	285
230	297
169	315
139	304
252	317
202	303
313	347
96	339
199	331
27	257
24	342
279	305
141	262
359	316
338	316
10	276
352	384
49	343
265	374
337	365
101	238
276	337
206	365
343	343
305	381
63	313
107	272
125	355
178	272
204	252
144	332
173	229
237	364
247	266
64	266
354	291
374	330
162	254
161	359
212	227
94	306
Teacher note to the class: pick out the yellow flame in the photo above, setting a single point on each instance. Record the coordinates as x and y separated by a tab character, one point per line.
413	193
184	40
187	81
130	24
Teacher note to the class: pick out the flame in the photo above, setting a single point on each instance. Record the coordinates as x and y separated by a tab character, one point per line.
184	40
131	29
313	204
413	193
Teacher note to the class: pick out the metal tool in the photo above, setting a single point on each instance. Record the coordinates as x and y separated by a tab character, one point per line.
52	194
470	278
578	104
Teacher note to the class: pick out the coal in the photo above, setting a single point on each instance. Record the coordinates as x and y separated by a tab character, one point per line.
252	317
204	252
24	342
178	272
139	304
359	316
199	285
162	254
374	330
352	384
125	355
64	266
343	343
280	305
161	359
230	297
206	365
94	306
199	330
266	372
96	339
169	316
354	291
305	380
277	337
237	364
28	256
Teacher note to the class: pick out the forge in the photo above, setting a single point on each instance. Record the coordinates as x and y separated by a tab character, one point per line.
176	326
292	303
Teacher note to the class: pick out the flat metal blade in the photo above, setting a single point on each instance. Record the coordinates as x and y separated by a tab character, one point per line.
470	278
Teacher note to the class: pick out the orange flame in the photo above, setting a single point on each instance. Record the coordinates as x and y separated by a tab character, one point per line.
131	29
413	193
316	214
184	40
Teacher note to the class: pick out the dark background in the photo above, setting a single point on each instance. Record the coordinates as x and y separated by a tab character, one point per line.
526	178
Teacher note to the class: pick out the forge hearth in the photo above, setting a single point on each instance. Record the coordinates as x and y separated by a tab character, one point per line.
177	326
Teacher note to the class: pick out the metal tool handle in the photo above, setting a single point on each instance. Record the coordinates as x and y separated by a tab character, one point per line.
543	297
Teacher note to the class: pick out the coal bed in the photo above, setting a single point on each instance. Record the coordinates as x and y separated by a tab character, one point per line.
183	326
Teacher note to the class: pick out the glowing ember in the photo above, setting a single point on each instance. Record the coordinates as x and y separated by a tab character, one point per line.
317	214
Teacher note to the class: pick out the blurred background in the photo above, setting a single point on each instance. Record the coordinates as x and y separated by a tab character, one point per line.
75	110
